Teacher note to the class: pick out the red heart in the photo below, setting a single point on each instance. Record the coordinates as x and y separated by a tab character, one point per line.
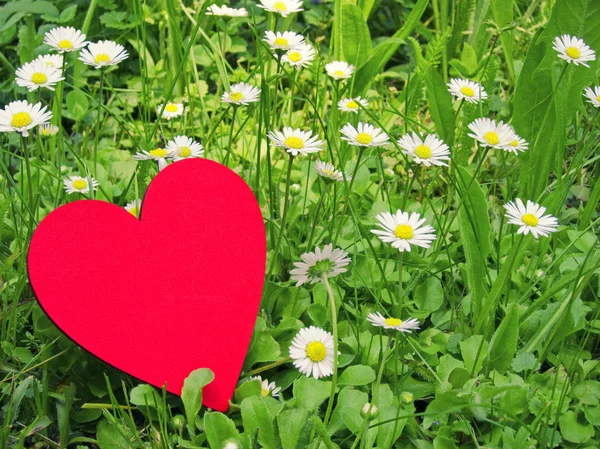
159	297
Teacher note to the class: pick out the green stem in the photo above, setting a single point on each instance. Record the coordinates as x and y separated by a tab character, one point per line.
335	348
29	186
98	120
229	144
313	227
398	308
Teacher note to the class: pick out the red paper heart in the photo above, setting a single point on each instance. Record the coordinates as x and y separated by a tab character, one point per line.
159	297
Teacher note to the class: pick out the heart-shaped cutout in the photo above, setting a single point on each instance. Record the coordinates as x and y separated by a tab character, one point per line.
176	290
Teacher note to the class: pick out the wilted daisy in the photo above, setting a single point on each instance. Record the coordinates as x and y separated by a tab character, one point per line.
54	61
134	207
47	129
283	7
65	39
38	74
171	110
283	41
593	95
267	389
182	147
467	90
296	141
516	144
530	218
378	320
352	104
574	50
328	262
364	136
491	134
299	56
339	70
312	352
328	172
103	54
159	155
77	184
403	230
241	93
216	10
21	116
431	151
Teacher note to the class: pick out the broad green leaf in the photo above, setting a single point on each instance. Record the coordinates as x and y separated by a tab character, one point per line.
191	393
392	429
256	416
504	342
440	105
294	428
357	375
77	104
356	40
247	389
147	398
110	436
575	428
502	11
474	352
310	393
219	429
429	295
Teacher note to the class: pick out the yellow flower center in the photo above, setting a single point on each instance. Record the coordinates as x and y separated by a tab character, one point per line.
294	56
281	42
316	351
393	321
364	138
492	138
514	143
102	58
65	44
573	53
328	172
39	78
530	220
404	231
264	392
236	96
467	91
352	104
598	98
171	107
79	184
339	73
159	152
423	151
294	142
184	151
20	119
280	6
133	211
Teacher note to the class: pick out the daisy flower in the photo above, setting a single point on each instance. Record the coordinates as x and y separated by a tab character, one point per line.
182	147
364	136
103	54
134	207
403	230
283	7
21	116
38	74
159	155
296	141
378	320
491	134
65	39
171	110
216	10
47	129
283	41
339	70
267	389
574	50
77	184
516	143
593	95
53	61
352	104
431	151
329	263
241	93
312	352
328	172
299	56
467	90
530	218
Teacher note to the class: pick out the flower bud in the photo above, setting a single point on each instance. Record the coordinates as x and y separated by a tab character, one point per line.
369	411
406	397
178	422
295	189
388	174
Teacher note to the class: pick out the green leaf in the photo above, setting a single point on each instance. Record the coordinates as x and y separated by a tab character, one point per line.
429	295
77	104
473	350
65	17
523	361
191	393
356	40
504	342
256	416
219	429
147	399
440	105
502	11
310	393
357	375
110	436
574	428
115	19
392	429
294	428
247	389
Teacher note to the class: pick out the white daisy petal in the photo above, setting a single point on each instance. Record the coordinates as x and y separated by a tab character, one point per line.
312	352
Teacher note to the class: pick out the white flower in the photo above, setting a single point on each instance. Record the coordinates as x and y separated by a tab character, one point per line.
103	54
283	41
403	230
38	74
530	218
593	95
267	389
352	104
312	352
241	93
65	39
431	151
47	129
515	143
54	61
329	173
339	70
21	116
283	7
134	207
296	141
364	136
230	445
299	56
216	10
171	110
75	184
369	411
574	50
491	134
182	147
159	155
329	263
467	90
378	320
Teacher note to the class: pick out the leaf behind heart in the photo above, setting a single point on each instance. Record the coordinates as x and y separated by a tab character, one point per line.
191	393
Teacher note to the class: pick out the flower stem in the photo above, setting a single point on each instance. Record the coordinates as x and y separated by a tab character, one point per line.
98	120
319	205
335	348
398	308
29	187
256	371
285	210
229	144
